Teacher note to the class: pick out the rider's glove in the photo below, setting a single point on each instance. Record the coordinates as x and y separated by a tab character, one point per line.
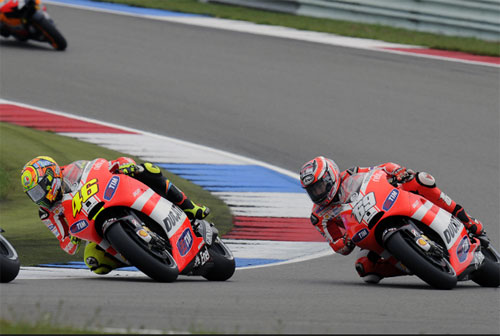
348	242
130	169
76	242
403	175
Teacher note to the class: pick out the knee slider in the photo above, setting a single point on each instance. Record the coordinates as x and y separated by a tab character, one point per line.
426	179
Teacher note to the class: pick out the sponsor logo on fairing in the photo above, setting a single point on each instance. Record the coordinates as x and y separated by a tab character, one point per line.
111	188
185	242
78	226
391	198
173	217
360	235
452	230
463	249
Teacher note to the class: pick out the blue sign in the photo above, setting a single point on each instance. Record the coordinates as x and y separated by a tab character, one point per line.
360	235
111	188
391	198
78	226
463	249
185	242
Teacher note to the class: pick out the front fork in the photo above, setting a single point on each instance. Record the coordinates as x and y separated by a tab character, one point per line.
428	246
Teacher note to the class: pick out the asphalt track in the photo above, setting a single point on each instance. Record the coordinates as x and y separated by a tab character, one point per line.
278	101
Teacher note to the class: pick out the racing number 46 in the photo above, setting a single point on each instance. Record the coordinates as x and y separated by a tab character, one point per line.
88	190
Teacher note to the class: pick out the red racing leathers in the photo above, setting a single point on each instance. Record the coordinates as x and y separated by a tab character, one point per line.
327	221
149	174
54	218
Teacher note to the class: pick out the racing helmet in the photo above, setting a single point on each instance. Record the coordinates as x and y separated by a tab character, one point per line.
41	179
320	177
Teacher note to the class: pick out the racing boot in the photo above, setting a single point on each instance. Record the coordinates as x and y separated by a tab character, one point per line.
192	210
472	225
371	268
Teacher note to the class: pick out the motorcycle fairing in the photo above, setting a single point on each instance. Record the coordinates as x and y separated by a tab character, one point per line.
366	209
98	189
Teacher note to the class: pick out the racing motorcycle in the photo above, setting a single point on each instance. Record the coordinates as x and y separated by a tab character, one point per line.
142	229
9	260
28	20
425	240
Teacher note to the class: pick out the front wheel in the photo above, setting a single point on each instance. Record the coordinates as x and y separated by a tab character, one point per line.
436	271
157	264
223	262
51	33
9	261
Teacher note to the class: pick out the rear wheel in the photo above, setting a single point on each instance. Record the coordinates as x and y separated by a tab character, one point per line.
51	33
434	270
224	264
488	274
157	264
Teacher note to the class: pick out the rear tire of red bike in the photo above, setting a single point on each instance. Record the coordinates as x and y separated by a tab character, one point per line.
224	263
488	274
51	33
418	264
138	254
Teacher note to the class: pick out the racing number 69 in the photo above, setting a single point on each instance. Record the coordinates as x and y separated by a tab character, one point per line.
364	208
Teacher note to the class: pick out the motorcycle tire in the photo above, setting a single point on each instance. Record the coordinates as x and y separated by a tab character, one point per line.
410	255
136	251
488	274
9	261
51	33
224	263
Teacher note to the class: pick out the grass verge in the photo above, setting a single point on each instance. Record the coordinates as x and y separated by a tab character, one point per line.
9	328
34	243
344	28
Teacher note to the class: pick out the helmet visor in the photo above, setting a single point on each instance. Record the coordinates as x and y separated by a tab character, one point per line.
37	194
319	190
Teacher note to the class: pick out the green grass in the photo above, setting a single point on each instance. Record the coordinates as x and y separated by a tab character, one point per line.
47	328
345	28
34	243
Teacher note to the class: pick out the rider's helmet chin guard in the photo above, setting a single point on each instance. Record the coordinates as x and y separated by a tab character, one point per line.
320	177
41	179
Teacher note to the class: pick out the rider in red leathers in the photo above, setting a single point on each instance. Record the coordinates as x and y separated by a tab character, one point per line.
45	182
322	180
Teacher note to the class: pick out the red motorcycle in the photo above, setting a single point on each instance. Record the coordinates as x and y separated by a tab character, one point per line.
27	19
129	220
425	240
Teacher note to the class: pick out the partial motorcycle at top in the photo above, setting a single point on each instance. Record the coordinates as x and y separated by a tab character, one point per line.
425	240
29	20
140	228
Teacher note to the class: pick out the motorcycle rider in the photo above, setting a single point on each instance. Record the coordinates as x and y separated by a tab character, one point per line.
45	183
322	180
